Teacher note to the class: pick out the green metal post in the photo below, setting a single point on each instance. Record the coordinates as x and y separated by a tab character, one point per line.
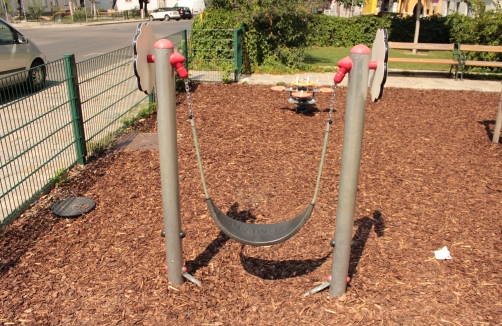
185	47
75	107
151	97
236	54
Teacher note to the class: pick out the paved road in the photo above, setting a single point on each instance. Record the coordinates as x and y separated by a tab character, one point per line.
87	41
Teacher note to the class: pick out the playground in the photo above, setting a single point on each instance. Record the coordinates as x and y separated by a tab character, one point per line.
430	177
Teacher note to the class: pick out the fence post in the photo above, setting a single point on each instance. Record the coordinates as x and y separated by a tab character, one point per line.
236	54
151	97
75	107
241	40
185	47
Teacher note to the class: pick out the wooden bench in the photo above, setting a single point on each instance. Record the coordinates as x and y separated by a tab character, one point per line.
477	48
453	62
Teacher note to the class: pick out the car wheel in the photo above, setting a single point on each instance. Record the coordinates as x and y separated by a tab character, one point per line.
167	18
151	18
36	76
178	19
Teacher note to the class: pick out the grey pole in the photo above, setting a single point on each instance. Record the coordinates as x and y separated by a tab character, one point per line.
417	25
349	172
168	152
498	122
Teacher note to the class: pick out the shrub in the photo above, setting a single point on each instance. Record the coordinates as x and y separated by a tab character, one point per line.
36	10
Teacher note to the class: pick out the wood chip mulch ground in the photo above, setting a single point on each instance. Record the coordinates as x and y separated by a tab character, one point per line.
430	177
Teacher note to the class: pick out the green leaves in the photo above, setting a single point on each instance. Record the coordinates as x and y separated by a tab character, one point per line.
278	32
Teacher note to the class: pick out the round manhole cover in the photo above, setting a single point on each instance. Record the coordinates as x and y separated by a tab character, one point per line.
73	207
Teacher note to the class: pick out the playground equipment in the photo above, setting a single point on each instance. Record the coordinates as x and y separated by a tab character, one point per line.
302	93
161	52
498	122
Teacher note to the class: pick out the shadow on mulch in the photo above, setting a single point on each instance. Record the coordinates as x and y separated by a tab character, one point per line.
203	259
361	236
274	269
489	126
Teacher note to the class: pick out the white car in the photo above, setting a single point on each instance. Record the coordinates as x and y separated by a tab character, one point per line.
17	54
165	14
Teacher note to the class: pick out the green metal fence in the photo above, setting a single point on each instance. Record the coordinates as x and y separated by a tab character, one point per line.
214	54
108	94
46	128
44	132
36	137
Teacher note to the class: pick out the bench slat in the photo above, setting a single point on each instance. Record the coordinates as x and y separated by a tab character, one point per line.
483	63
417	60
421	46
480	48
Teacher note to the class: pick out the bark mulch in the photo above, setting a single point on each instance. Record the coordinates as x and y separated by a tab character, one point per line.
430	177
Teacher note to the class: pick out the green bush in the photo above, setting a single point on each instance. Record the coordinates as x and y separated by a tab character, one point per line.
433	29
275	39
36	10
79	14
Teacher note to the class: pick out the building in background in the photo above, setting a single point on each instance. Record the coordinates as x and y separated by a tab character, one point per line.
430	7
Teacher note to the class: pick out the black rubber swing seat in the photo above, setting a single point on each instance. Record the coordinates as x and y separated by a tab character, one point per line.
258	234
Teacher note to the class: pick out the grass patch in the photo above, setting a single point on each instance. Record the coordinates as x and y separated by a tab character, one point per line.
329	56
325	59
325	56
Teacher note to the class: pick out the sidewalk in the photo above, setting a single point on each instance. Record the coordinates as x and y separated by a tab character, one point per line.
51	24
393	80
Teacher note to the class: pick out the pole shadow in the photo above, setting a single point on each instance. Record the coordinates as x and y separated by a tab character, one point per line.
489	127
203	259
361	236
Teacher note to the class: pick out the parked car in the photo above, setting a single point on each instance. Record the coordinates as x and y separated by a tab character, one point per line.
185	12
164	14
17	54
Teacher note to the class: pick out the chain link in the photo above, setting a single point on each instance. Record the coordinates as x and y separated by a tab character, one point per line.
189	99
332	103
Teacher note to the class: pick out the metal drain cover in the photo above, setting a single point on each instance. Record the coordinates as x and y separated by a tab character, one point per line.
73	207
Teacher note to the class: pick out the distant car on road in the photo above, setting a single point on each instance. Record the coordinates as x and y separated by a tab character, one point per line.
164	14
185	12
17	54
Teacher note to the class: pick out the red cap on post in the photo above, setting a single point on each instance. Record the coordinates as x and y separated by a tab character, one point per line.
163	44
344	66
176	61
360	49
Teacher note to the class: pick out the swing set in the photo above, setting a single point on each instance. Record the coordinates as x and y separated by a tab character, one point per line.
155	63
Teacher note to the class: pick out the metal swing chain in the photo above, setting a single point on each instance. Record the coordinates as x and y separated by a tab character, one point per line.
332	103
199	159
195	140
189	100
325	145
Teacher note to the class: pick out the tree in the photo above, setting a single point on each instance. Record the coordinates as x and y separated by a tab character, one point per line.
277	5
36	9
